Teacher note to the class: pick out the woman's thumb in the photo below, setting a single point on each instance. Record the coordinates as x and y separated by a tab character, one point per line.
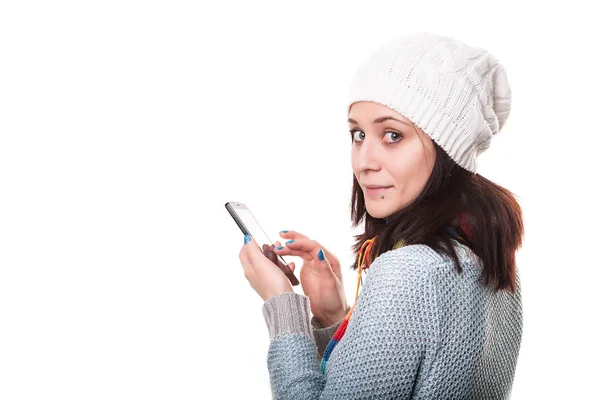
321	256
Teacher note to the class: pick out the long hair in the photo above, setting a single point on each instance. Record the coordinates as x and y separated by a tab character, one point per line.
486	216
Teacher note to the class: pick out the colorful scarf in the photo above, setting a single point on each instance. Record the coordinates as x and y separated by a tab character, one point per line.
362	261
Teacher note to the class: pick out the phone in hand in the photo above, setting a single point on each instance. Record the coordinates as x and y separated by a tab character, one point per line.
250	226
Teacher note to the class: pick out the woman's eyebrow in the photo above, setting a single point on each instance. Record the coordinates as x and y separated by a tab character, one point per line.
380	119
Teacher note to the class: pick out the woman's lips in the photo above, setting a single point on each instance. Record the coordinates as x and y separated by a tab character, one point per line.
377	192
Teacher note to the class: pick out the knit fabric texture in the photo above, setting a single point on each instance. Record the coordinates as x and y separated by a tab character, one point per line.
341	330
419	330
457	94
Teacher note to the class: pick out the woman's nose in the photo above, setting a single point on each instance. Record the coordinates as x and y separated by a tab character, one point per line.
368	156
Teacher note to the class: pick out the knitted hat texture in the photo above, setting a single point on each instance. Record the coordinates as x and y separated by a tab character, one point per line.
457	94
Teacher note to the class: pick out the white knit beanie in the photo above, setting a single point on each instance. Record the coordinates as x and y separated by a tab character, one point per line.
458	95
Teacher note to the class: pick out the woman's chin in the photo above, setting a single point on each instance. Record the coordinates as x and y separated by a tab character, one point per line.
376	211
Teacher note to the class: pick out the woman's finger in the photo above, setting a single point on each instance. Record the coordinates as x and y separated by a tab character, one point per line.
320	254
292	235
297	236
299	248
254	251
246	264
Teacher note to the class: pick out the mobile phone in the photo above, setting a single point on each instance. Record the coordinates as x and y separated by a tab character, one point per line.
250	226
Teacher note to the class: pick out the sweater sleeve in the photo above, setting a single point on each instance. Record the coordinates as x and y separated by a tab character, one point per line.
393	325
323	334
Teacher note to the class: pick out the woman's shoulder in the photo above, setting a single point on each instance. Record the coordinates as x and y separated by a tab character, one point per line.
417	274
423	255
422	259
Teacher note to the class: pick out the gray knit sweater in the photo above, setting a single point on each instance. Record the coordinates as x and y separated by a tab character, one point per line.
420	330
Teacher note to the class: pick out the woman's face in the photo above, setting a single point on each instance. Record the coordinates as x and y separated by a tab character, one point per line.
388	152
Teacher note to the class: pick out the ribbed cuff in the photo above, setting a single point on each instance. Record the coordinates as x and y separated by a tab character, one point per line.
323	335
286	313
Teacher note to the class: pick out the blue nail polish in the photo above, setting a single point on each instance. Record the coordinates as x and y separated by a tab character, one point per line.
280	247
321	255
290	241
284	231
246	238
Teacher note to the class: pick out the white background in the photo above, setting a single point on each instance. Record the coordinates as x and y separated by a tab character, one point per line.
126	126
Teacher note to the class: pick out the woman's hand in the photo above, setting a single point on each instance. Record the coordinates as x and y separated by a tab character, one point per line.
321	280
265	277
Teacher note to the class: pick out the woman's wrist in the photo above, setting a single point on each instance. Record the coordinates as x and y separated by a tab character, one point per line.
327	320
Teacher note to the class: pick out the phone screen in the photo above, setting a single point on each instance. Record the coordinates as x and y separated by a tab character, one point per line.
249	225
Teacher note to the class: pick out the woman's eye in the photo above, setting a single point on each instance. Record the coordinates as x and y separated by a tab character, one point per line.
352	136
395	136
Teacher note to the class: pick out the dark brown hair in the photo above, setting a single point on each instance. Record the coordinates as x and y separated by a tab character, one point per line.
493	223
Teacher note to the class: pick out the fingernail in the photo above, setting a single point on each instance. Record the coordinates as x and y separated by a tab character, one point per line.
290	241
284	231
246	238
321	255
280	247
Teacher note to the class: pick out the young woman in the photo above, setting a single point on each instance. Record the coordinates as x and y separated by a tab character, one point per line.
439	315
